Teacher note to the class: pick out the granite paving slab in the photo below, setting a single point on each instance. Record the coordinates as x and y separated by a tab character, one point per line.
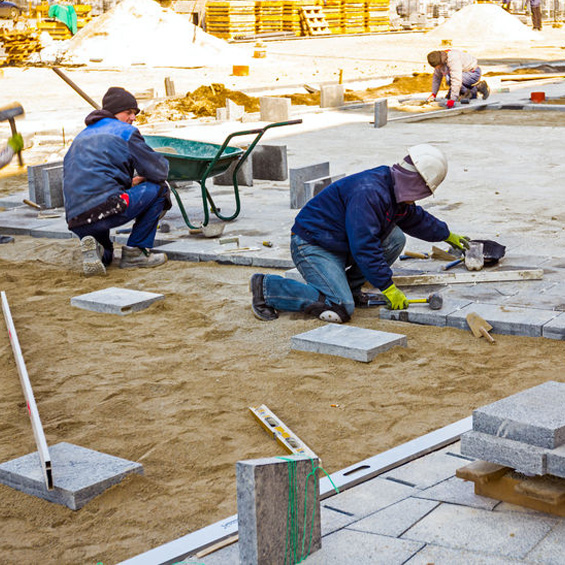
423	314
509	320
115	300
434	554
20	221
334	519
551	549
361	547
79	474
534	416
511	535
456	491
359	344
395	519
556	462
555	329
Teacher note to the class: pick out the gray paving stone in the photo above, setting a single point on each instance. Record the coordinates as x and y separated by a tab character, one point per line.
423	314
544	294
79	474
381	113
270	262
508	320
443	556
21	221
331	95
515	454
556	462
182	250
555	329
359	344
56	229
395	519
475	530
334	519
52	180
297	178
270	162
534	416
13	200
315	186
36	182
273	109
347	546
115	300
457	491
263	493
244	175
430	470
367	498
551	550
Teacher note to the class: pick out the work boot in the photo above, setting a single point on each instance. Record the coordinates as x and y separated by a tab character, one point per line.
260	309
483	88
140	257
91	257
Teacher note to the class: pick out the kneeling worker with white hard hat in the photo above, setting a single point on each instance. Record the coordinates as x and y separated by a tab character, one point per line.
351	232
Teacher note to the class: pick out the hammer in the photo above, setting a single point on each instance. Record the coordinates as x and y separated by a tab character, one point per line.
434	300
9	113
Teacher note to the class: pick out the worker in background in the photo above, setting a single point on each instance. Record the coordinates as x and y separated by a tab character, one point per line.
461	72
110	177
15	145
535	7
351	232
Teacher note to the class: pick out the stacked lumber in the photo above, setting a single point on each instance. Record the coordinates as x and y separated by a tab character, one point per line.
268	16
292	20
352	16
332	9
229	20
314	21
377	16
19	45
56	29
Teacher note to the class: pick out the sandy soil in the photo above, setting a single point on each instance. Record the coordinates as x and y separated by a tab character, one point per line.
170	387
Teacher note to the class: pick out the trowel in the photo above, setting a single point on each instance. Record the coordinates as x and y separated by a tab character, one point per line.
479	326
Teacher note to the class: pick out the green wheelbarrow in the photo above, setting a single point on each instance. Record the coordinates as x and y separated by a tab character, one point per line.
198	161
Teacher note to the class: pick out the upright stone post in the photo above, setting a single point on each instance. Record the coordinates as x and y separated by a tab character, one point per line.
169	87
278	510
381	113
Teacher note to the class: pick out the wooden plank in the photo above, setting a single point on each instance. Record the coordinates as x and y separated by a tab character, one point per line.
38	433
217	546
467	278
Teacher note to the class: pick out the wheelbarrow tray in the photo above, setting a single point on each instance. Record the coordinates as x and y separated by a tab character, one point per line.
188	160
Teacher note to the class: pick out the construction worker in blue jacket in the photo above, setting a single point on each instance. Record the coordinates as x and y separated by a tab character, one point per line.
350	233
110	177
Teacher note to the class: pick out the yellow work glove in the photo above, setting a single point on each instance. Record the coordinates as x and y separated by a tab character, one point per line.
16	142
458	241
395	298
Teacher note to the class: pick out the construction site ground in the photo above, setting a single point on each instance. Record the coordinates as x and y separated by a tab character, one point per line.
170	387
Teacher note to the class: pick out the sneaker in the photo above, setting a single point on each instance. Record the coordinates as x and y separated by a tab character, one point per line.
483	88
91	253
260	309
140	257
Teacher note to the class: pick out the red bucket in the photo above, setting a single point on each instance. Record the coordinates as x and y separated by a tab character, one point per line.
537	97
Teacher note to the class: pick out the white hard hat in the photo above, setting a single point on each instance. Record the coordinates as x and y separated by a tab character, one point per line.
430	162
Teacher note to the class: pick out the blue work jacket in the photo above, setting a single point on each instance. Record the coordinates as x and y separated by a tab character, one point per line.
354	214
102	161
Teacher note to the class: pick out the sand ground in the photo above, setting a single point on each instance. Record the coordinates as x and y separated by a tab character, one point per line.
170	387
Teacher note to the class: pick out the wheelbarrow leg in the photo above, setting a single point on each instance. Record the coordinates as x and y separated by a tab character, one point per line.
182	210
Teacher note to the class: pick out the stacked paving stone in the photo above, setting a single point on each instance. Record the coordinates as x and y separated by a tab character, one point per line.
525	432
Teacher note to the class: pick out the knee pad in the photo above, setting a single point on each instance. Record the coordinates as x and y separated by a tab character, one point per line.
328	313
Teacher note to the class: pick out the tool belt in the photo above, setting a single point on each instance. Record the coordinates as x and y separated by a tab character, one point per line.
116	204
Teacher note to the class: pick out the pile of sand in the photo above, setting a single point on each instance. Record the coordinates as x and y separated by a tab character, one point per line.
141	32
483	23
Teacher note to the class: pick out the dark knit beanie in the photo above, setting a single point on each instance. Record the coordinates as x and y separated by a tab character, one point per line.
434	58
117	99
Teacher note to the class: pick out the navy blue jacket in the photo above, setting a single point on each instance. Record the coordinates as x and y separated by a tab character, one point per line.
101	162
354	214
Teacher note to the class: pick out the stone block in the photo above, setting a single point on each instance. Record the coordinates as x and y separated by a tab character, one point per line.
264	492
331	95
36	184
270	162
381	113
21	222
116	300
234	111
274	109
221	114
556	462
555	329
422	314
508	320
534	416
52	181
79	474
299	176
456	491
350	342
514	454
315	186
244	175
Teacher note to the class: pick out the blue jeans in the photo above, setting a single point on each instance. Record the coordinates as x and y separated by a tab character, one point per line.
335	275
468	79
145	206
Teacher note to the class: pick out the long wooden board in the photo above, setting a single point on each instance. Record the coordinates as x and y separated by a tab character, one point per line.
470	277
